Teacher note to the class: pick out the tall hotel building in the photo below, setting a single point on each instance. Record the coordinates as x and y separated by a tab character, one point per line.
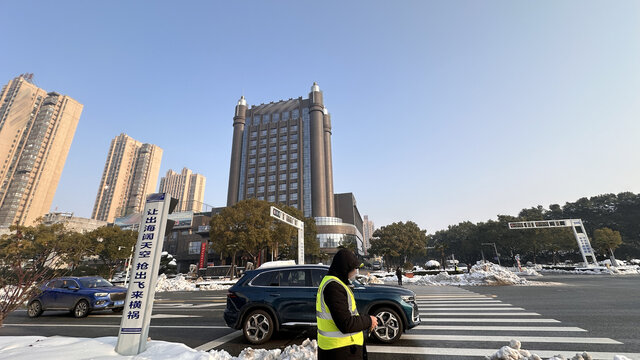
281	153
130	174
187	187
36	130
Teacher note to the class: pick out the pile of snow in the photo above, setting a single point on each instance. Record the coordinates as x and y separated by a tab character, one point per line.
432	264
526	272
369	279
180	283
103	348
514	352
597	270
480	274
634	261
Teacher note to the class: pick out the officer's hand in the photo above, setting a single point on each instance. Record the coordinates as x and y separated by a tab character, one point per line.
374	323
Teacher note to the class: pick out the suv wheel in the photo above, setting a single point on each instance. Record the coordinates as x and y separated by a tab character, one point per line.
389	327
81	309
35	309
258	327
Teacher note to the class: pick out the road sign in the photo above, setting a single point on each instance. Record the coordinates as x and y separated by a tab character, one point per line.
134	327
284	217
578	232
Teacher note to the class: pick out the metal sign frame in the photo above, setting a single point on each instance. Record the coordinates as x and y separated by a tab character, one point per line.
136	315
298	224
578	232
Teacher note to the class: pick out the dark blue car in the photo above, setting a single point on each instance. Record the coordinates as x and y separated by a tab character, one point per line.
80	295
265	300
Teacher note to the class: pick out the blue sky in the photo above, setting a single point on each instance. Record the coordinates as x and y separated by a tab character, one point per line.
442	111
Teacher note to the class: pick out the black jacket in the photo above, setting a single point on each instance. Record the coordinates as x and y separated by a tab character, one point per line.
335	297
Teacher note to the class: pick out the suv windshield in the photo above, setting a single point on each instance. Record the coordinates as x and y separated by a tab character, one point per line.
94	283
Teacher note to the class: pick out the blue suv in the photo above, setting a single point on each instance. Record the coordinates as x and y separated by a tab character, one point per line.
80	295
265	300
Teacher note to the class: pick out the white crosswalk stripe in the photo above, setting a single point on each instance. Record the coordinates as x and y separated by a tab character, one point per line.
484	328
461	317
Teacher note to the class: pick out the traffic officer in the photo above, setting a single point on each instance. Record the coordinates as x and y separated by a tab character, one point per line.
340	327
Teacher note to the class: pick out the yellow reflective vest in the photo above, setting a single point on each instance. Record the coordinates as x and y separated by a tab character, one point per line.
329	337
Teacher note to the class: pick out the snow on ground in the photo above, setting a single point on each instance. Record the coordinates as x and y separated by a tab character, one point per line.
513	351
596	270
480	274
180	283
103	348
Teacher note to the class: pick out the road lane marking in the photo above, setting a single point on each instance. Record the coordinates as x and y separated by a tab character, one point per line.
507	338
219	341
489	320
474	308
455	297
460	352
117	326
479	313
457	301
499	328
154	316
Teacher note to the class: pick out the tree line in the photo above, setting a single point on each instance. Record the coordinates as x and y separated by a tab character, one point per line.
610	220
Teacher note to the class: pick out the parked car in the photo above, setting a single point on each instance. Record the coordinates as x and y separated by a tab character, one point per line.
266	300
376	265
80	295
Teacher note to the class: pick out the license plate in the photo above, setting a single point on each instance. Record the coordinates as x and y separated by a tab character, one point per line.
121	302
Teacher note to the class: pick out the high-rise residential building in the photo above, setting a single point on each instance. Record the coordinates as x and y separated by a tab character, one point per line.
187	187
36	131
367	233
130	174
281	153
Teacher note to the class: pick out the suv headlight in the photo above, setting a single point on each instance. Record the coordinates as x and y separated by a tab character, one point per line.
100	294
408	299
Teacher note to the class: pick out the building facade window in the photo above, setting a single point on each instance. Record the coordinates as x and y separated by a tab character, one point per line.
194	247
271	198
271	188
282	198
261	179
293	185
283	177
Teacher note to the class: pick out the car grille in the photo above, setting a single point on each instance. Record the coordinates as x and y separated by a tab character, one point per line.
117	296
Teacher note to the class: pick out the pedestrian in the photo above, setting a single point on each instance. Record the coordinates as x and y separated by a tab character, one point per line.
399	275
340	327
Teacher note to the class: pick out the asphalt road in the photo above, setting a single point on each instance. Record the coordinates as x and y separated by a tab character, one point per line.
567	314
